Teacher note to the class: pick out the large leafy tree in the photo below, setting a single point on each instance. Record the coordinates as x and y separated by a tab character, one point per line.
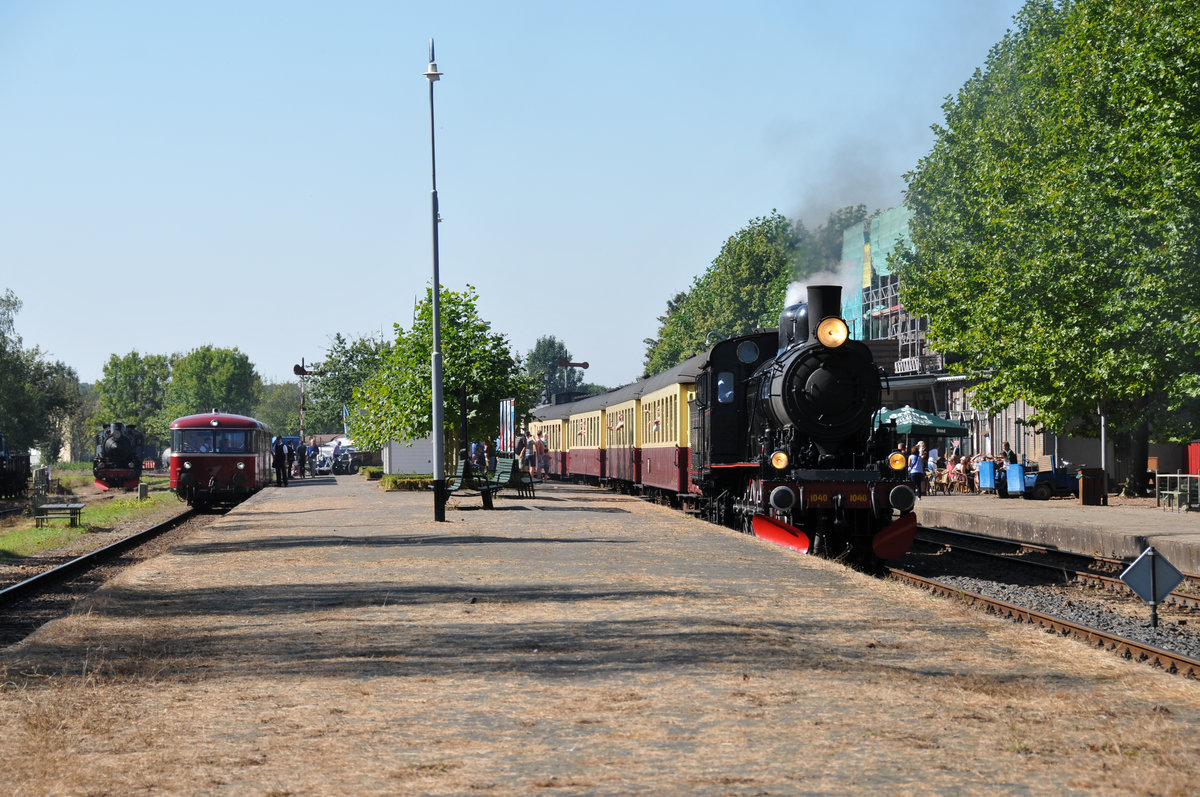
1056	223
347	365
478	370
37	397
133	390
543	370
210	378
742	289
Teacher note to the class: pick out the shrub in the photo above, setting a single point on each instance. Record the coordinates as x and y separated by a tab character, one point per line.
406	481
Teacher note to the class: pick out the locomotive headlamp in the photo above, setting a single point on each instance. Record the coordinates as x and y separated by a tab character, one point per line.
241	465
187	465
897	461
832	332
214	422
779	460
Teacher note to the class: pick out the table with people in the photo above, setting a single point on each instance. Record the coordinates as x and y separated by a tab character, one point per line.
932	472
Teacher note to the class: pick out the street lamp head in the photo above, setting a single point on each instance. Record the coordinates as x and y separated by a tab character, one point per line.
432	73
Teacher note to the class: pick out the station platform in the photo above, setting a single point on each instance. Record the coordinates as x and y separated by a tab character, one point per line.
1063	523
329	638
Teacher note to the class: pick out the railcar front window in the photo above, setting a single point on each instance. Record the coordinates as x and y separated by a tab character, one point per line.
192	441
725	387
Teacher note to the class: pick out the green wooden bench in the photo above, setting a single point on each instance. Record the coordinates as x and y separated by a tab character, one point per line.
481	483
509	475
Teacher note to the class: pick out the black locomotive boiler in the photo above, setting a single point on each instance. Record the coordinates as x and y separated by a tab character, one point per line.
784	445
118	461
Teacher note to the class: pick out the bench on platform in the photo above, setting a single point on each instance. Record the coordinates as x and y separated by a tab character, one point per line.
47	512
511	476
477	483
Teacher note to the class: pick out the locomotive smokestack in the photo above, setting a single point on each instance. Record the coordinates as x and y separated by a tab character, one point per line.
823	301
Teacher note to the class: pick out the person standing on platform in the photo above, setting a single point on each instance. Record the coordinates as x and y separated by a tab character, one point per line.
301	459
542	452
918	462
519	446
279	460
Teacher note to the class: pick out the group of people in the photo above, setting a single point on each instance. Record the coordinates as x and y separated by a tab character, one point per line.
930	471
289	460
533	454
530	452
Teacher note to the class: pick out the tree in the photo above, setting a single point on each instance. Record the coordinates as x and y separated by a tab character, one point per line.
347	365
543	370
279	407
742	289
208	379
477	364
57	386
36	397
1056	221
133	390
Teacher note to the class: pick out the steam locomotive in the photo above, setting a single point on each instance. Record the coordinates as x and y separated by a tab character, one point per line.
790	452
118	461
770	432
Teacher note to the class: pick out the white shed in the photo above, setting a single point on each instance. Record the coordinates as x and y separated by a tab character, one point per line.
414	457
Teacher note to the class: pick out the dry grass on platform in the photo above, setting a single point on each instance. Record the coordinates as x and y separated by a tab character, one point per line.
503	653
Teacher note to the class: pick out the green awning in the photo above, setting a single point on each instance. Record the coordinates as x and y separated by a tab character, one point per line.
911	421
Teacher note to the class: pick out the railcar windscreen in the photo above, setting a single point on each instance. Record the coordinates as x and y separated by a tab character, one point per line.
220	441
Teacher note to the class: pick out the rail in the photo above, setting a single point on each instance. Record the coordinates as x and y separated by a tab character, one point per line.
1171	662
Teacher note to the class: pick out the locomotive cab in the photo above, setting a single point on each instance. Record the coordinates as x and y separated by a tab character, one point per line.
717	412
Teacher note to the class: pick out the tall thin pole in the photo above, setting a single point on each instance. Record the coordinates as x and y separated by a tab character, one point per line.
439	462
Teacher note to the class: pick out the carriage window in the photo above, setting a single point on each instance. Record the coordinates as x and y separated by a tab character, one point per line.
194	441
725	387
233	441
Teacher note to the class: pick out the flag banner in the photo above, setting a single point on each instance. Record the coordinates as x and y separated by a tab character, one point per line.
507	432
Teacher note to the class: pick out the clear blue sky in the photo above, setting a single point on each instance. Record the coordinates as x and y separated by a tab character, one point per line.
256	174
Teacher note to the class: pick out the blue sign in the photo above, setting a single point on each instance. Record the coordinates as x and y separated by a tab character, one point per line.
1151	576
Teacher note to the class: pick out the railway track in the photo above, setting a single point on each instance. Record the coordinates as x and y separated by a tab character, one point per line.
81	564
29	604
1171	662
1091	569
1055	591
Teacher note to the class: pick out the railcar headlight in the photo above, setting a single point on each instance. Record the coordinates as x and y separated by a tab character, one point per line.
779	460
897	461
187	465
832	332
241	465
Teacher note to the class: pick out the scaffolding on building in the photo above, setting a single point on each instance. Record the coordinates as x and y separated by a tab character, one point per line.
884	318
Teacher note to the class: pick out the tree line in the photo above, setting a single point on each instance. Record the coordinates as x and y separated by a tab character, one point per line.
1056	236
1056	227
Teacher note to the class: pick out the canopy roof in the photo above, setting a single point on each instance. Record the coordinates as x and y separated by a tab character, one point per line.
912	421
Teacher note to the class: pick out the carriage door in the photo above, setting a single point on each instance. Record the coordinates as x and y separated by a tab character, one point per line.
697	415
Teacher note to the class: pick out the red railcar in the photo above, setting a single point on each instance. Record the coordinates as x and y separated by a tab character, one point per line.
219	458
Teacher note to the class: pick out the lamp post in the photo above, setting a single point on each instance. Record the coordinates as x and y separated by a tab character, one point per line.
439	463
